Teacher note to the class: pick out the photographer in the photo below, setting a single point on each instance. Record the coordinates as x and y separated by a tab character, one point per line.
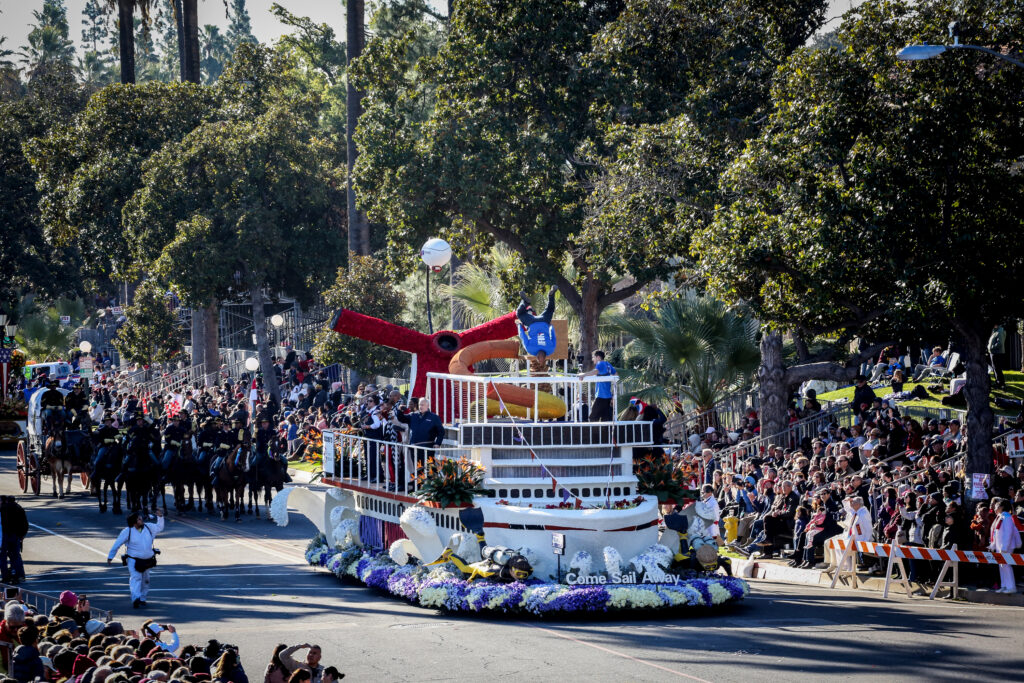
153	631
140	556
312	663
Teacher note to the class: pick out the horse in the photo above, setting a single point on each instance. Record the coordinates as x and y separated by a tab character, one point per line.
266	473
59	460
202	483
108	478
230	483
139	470
185	477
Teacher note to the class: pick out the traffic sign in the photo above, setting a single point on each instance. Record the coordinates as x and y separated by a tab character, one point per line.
65	320
85	367
116	310
1015	445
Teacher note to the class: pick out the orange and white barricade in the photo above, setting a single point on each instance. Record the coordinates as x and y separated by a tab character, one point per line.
951	560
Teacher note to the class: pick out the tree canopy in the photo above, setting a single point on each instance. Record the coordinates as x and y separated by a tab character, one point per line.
528	104
885	192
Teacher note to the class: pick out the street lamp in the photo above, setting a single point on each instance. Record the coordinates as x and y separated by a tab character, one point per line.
435	254
277	320
252	363
913	53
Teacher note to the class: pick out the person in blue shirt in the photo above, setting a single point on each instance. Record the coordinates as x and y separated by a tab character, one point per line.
601	408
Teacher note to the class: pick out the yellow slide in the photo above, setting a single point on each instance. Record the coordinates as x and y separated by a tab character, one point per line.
517	400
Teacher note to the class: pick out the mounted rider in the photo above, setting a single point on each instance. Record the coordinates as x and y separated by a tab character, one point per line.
105	439
75	405
174	436
266	439
52	405
207	439
234	441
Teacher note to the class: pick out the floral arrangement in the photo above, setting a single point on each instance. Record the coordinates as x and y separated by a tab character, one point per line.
444	587
13	408
658	474
314	440
450	482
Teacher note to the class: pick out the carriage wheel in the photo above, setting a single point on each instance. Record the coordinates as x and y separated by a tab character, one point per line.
22	464
84	476
35	473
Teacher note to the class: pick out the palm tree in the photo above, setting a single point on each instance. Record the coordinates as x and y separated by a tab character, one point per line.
214	52
126	33
47	46
42	335
93	69
695	345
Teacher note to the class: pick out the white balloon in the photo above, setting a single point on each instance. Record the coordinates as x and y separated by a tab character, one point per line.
436	252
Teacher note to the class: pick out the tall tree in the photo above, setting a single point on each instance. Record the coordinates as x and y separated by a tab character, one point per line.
189	12
95	30
212	204
884	193
126	32
355	41
214	53
151	333
49	44
532	103
239	26
89	165
28	261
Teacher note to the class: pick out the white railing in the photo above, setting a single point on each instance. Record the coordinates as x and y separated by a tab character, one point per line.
460	399
376	464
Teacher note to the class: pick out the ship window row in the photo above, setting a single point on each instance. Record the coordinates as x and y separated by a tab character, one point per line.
548	493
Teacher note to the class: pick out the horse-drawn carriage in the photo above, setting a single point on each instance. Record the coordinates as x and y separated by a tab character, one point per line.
52	449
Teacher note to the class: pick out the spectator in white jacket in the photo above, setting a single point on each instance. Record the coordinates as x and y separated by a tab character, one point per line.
1005	539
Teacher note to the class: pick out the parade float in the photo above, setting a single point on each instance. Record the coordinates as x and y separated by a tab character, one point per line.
525	507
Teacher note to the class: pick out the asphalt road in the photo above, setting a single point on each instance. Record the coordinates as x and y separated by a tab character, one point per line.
247	584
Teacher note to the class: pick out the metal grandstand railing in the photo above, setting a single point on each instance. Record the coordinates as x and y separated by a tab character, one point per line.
839	413
726	416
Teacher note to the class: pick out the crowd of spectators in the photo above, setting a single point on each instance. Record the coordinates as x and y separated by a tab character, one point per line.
69	644
888	477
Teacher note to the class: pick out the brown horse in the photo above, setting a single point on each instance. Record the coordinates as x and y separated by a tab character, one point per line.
56	454
230	482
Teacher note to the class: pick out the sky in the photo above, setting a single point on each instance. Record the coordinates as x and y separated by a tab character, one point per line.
16	16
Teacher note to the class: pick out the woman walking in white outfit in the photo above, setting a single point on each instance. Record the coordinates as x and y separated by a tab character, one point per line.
137	538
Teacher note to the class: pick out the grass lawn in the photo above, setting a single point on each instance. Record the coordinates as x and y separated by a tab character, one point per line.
304	465
1014	389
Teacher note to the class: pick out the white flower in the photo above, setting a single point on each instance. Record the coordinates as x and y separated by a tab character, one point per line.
623	597
612	561
653	562
581	562
419	520
397	551
346	532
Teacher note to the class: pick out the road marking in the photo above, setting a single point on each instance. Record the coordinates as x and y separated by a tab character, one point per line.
241	540
80	579
616	653
69	540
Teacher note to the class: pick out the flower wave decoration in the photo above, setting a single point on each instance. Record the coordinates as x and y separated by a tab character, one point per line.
444	587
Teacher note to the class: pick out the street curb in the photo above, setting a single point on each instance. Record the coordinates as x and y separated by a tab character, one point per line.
771	571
